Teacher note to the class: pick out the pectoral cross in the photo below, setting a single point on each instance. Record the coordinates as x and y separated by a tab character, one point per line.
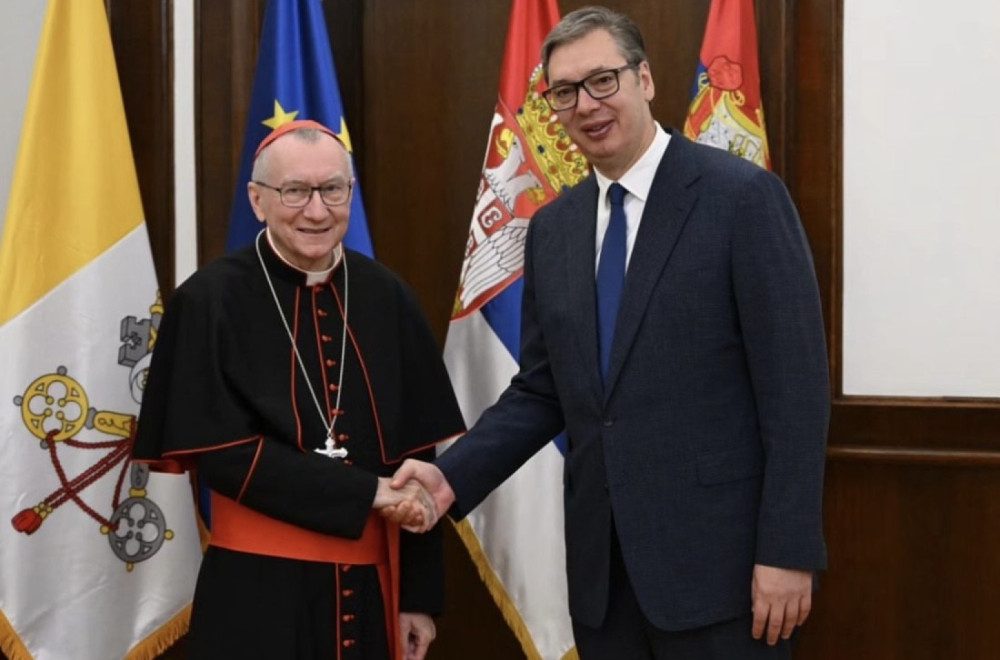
330	450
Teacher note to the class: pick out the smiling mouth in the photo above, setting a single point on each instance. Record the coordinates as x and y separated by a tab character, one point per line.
307	230
597	130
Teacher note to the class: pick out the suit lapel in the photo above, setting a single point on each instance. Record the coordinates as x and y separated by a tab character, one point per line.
580	260
671	198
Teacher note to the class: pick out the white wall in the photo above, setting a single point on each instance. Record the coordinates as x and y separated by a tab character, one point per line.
20	30
921	198
185	182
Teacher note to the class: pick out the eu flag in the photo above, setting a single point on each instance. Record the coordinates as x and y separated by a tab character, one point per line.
295	79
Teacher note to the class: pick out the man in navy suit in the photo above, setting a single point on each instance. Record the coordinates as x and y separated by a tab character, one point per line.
696	409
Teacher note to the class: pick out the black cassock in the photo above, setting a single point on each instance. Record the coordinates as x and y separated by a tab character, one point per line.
226	395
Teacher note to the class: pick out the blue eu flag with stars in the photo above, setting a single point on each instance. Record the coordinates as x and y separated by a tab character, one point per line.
295	79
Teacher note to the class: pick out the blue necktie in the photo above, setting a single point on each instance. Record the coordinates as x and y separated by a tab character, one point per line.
611	275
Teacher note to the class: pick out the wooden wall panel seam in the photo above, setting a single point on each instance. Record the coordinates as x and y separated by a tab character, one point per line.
915	456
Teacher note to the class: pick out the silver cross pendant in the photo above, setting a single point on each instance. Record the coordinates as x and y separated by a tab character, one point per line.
330	450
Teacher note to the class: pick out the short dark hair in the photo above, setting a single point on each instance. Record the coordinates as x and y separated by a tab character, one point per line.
578	24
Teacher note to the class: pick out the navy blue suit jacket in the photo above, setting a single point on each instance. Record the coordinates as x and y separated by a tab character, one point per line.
705	448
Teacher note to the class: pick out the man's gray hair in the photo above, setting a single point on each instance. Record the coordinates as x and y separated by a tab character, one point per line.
310	135
578	24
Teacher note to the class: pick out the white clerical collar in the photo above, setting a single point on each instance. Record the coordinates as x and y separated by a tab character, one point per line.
312	276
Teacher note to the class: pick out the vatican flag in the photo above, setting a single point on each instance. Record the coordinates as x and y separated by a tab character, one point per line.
98	557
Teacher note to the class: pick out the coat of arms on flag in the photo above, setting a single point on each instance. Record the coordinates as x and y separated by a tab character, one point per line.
726	109
55	408
529	160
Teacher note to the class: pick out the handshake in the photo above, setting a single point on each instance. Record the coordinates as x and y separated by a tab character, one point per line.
416	497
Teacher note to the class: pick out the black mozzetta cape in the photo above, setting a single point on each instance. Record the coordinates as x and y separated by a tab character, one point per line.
226	395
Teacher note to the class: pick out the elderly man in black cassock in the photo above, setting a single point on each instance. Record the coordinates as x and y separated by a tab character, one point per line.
293	376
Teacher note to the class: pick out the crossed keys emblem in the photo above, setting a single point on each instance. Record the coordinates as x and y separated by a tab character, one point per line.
55	409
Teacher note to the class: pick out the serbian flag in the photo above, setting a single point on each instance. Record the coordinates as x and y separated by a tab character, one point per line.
726	110
515	536
295	79
98	557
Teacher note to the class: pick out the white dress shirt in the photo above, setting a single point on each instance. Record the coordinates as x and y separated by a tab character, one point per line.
637	182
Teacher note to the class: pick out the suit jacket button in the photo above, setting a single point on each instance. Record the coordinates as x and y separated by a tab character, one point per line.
608	423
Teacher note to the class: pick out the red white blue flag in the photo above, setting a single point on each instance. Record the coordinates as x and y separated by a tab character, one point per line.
515	536
726	109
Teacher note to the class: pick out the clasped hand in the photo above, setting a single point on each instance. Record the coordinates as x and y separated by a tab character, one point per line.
409	504
416	496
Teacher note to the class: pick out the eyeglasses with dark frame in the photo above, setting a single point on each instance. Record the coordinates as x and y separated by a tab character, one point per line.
599	85
297	195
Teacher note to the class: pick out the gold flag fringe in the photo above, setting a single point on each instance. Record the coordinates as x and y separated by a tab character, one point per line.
10	643
161	640
499	593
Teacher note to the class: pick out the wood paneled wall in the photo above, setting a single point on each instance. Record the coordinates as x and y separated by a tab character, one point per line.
912	490
142	33
912	485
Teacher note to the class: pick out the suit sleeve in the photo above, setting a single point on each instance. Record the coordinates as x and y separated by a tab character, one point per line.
525	417
782	328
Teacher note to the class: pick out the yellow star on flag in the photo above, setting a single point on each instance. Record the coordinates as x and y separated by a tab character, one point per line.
344	136
280	116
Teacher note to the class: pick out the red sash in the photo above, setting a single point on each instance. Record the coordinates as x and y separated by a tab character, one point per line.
236	527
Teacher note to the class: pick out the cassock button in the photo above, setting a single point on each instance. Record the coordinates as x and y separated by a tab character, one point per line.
348	643
345	567
333	387
321	313
347	618
331	363
325	339
347	593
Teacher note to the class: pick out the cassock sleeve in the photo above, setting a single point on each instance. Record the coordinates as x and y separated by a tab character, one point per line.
306	490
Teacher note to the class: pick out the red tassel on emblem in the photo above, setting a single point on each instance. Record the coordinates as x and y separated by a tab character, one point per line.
27	521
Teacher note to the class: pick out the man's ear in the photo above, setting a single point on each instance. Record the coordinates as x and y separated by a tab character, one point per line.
646	80
254	193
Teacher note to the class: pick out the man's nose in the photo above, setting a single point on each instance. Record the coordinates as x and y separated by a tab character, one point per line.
585	102
315	207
